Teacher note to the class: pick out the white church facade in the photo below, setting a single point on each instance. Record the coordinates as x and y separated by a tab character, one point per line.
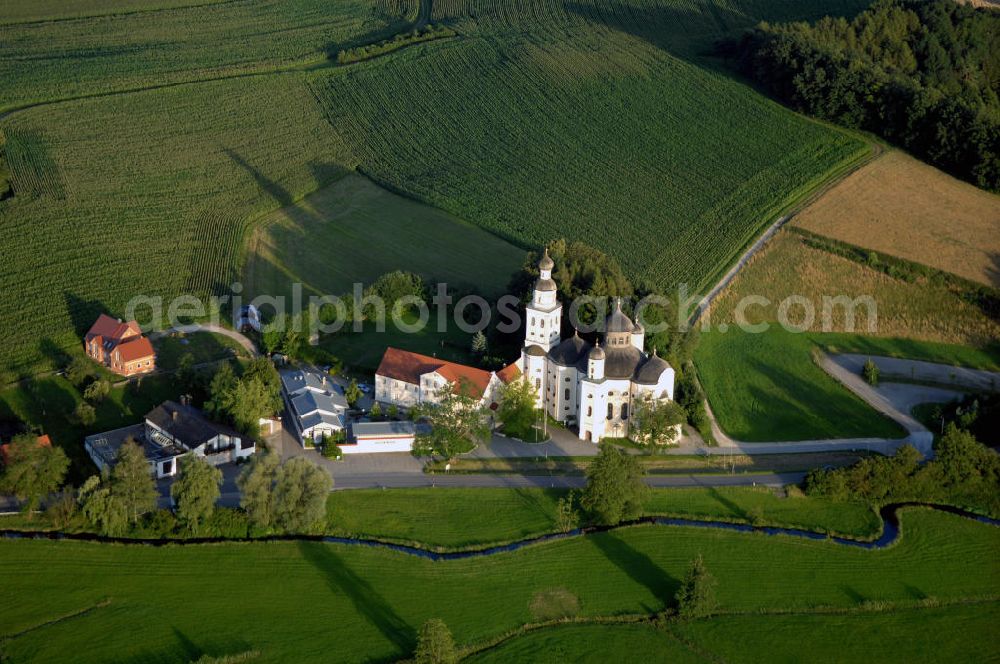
594	387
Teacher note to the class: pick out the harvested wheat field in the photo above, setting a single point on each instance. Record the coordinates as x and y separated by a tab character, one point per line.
903	207
788	267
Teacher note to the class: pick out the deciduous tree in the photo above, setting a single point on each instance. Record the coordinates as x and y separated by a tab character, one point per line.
696	596
435	644
655	422
256	484
615	489
300	493
33	471
132	482
458	421
196	491
518	411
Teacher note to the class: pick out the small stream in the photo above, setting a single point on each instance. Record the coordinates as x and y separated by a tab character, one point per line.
889	515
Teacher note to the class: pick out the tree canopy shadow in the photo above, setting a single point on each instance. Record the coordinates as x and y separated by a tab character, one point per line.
367	602
639	567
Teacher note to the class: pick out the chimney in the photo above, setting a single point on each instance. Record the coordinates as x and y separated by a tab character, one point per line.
173	414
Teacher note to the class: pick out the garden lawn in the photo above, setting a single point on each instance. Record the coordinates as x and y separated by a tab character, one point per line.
297	601
352	231
362	351
453	518
767	387
203	347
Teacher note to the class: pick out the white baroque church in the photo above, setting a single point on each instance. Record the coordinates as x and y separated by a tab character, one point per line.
591	387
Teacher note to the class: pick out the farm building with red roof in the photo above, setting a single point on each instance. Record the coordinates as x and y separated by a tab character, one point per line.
119	346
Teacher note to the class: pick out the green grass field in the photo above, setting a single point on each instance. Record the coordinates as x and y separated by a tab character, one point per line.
960	633
202	346
362	351
766	387
352	231
558	120
296	601
452	518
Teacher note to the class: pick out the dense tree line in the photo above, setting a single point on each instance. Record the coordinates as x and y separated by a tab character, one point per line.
964	473
923	74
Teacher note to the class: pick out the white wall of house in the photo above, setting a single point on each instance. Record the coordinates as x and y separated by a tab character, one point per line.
373	444
394	391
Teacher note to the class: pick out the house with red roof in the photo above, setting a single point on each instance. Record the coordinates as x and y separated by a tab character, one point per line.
407	379
43	441
119	346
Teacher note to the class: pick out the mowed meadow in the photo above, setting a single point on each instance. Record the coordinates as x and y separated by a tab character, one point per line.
309	601
150	142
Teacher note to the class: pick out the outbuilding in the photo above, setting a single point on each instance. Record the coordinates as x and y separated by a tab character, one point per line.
369	437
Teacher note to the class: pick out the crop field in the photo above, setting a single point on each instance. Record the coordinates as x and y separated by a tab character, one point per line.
902	207
122	207
588	121
371	231
49	60
584	121
296	601
959	634
787	266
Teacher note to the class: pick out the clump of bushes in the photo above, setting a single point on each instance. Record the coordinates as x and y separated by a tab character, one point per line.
415	36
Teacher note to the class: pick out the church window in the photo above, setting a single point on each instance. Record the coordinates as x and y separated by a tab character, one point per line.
538	383
541	322
567	393
611	411
590	411
624	411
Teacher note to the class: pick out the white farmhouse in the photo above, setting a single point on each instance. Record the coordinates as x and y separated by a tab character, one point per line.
591	386
407	379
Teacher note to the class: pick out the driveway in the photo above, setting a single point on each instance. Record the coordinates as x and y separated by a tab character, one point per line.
926	372
241	339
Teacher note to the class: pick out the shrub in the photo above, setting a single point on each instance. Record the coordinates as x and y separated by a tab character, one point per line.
696	596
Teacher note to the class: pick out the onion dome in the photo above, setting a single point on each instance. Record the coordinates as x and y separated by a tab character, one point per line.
546	263
536	350
597	353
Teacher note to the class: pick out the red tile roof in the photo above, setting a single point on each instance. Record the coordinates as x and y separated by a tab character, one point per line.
112	329
134	349
509	373
43	441
408	367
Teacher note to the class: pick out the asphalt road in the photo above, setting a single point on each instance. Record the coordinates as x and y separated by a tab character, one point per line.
483	481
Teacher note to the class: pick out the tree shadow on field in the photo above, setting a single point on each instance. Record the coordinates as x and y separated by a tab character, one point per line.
690	31
83	312
342	580
734	509
186	650
639	567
